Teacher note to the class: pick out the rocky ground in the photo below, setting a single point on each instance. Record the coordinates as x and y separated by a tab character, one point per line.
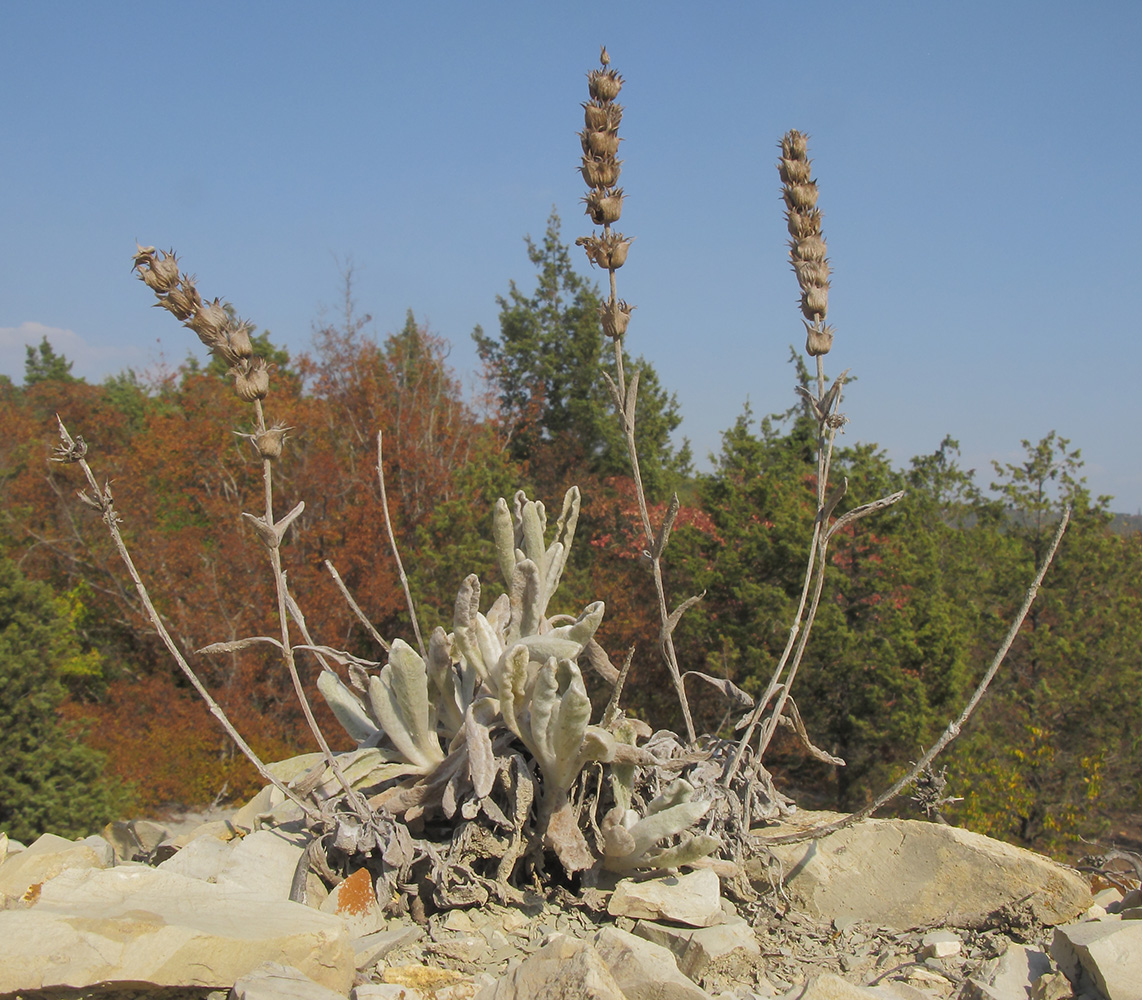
198	906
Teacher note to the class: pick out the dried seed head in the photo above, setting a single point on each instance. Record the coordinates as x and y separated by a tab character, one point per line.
166	267
618	252
600	171
602	117
161	275
152	280
815	302
802	224
800	197
604	84
143	257
608	251
605	207
238	341
811	248
603	57
251	379
794	145
615	317
812	273
595	115
210	322
820	339
269	442
599	143
794	171
183	300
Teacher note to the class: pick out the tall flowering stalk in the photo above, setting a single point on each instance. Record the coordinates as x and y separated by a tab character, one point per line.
229	339
808	255
600	168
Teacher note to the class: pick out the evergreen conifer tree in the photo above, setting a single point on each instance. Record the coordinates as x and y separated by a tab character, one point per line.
547	364
49	781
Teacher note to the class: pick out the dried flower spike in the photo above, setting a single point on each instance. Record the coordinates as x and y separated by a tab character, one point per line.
807	250
600	170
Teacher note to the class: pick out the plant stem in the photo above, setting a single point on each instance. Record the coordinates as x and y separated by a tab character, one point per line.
396	552
111	519
953	728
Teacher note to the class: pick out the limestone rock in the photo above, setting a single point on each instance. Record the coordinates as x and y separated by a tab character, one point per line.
695	947
354	900
371	948
940	944
564	969
906	873
1053	986
438	984
262	863
219	829
831	987
385	991
1017	971
203	858
643	970
1108	951
694	899
141	925
22	873
274	981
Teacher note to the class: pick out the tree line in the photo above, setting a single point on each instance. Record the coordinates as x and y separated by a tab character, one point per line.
96	723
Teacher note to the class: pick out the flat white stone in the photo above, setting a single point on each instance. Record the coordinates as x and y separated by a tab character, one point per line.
262	863
828	986
141	925
564	967
385	991
371	948
940	944
1110	951
46	858
695	947
907	873
274	981
203	858
642	969
693	899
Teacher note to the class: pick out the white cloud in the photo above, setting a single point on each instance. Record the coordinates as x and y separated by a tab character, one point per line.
90	361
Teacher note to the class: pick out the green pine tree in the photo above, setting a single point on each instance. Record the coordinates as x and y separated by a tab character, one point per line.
49	781
42	364
547	364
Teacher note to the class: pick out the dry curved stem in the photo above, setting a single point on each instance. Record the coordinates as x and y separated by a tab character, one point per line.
953	728
111	518
792	719
360	807
625	398
396	552
827	427
355	607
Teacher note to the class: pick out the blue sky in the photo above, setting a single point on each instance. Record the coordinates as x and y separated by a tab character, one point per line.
977	165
